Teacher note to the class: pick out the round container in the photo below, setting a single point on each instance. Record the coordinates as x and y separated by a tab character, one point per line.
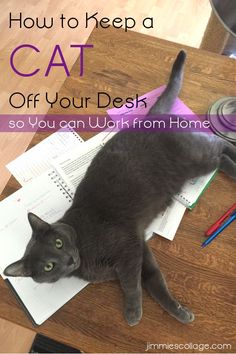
222	117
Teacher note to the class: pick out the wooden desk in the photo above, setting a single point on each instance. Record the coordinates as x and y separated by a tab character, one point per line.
124	64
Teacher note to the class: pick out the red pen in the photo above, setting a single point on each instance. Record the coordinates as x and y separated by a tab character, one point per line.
217	224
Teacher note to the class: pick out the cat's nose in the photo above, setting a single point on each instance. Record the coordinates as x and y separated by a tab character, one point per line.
70	261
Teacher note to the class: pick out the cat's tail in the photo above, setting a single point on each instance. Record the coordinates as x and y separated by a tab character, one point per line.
165	102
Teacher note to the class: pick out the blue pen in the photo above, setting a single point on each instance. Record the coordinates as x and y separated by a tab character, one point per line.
221	228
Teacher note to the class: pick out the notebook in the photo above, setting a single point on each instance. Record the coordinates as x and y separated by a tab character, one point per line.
193	189
71	166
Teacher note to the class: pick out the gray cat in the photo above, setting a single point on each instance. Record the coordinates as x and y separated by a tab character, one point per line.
130	181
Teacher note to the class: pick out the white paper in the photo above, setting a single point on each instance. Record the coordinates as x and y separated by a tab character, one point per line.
166	223
73	165
38	159
42	197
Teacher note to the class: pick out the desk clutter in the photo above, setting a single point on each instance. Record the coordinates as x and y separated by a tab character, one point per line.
49	174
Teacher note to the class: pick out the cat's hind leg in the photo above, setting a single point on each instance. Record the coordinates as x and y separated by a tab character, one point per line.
228	166
229	150
227	162
154	282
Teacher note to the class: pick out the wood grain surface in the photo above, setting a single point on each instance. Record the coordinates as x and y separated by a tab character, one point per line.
14	338
202	279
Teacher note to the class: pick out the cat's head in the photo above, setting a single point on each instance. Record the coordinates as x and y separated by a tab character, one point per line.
50	254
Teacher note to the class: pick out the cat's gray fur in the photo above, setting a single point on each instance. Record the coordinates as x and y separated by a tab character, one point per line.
130	181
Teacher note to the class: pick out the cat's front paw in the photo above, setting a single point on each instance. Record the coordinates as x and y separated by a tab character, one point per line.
133	315
183	314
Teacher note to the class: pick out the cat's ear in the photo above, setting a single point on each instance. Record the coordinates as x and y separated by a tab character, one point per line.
37	224
17	269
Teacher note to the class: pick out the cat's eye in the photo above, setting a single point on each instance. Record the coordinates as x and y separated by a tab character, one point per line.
59	243
48	267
